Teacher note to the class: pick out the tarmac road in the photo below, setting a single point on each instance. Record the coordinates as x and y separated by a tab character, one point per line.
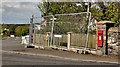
15	59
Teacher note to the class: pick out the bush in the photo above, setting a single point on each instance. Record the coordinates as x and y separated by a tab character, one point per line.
22	31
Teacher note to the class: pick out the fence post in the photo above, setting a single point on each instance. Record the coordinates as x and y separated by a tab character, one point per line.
48	38
69	40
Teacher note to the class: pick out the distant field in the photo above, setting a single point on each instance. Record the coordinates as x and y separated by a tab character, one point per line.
0	36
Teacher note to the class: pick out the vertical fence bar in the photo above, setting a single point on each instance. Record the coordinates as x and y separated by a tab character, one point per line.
87	34
52	31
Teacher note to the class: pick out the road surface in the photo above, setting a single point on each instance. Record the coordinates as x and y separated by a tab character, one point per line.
15	59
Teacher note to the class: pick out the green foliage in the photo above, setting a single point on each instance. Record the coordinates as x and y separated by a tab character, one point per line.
17	30
5	32
45	29
103	11
60	7
0	36
3	36
109	12
61	28
113	13
22	30
5	26
12	29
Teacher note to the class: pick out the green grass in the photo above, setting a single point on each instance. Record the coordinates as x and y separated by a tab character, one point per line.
2	36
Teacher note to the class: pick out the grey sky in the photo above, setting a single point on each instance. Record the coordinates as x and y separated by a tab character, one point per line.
18	12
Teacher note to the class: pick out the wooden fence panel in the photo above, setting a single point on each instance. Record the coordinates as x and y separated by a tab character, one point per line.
78	40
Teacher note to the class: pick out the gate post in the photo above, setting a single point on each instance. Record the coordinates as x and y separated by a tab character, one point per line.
69	40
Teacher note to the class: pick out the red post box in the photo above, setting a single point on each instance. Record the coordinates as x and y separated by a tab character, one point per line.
100	38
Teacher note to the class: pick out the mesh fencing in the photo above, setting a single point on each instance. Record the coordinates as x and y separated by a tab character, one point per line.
74	23
42	30
53	31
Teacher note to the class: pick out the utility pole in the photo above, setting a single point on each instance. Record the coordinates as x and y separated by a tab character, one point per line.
118	15
47	4
88	26
34	34
31	29
88	9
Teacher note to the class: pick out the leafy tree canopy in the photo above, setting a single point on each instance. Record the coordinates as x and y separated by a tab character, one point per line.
104	11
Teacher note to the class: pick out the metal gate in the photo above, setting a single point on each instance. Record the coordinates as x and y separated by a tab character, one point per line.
42	31
71	30
62	30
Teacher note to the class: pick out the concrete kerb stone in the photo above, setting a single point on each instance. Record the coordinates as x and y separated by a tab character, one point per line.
46	55
76	50
93	52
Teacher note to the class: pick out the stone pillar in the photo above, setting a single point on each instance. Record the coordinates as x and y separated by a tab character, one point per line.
69	40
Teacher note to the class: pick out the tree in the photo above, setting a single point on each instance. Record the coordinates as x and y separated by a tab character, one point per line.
109	11
112	12
18	31
104	11
60	8
22	30
12	29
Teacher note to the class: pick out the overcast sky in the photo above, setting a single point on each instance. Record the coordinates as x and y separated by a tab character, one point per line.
18	12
